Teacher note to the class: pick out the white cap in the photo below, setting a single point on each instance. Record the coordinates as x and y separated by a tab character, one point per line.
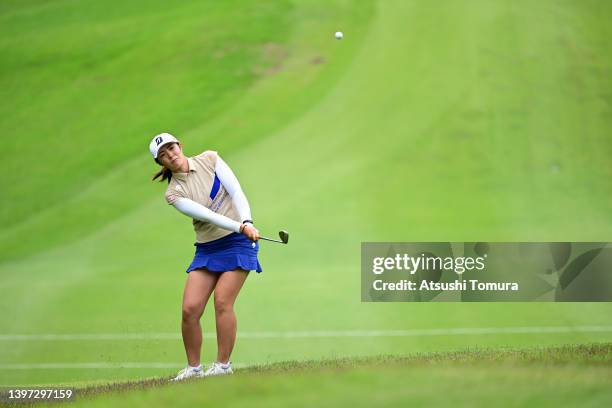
160	140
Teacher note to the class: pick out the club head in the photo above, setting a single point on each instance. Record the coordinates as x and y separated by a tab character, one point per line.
284	236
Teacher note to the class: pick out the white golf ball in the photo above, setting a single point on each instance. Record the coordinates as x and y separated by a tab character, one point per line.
339	35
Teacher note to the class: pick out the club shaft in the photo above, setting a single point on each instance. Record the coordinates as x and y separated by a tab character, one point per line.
272	240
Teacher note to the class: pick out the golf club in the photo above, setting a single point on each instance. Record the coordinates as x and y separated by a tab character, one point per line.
283	235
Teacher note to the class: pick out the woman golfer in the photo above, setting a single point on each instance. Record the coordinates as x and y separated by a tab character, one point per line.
204	188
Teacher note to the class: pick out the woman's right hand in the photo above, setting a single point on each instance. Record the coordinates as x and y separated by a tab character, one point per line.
250	232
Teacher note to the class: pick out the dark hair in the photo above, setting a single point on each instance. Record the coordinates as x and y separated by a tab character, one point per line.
164	173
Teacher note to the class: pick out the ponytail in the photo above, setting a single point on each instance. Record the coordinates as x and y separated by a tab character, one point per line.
164	173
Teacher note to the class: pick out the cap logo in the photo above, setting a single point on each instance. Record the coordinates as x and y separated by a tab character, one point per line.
158	140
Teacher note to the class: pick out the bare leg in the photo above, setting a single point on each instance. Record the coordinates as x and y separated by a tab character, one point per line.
226	291
200	284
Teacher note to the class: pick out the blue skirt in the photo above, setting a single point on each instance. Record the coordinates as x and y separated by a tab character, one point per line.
233	251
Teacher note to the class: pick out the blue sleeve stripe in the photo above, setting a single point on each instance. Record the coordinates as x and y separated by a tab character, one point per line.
215	187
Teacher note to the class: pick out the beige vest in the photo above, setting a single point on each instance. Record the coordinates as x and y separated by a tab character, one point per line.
201	185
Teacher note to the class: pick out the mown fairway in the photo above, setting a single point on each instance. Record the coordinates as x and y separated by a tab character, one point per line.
542	377
459	120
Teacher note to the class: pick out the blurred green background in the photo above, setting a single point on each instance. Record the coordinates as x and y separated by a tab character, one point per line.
430	121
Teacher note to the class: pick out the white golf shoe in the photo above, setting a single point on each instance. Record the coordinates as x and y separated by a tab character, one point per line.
189	372
219	369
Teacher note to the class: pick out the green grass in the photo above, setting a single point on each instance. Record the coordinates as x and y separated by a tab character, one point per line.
553	376
455	120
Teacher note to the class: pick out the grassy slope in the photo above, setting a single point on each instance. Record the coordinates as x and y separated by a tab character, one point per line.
438	122
85	85
565	376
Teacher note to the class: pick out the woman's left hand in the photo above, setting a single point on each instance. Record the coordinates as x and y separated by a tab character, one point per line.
251	232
